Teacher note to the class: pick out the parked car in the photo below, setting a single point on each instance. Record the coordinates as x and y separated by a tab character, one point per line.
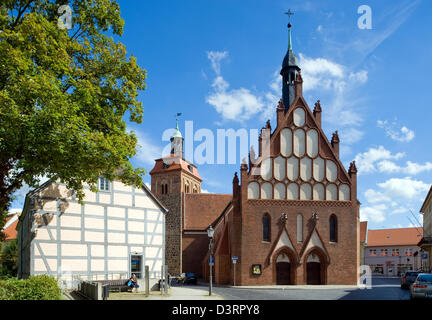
408	278
187	277
422	286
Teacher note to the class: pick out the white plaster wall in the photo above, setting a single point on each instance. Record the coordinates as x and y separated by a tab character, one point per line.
94	210
306	169
344	192
122	199
293	168
116	212
280	168
253	190
312	143
72	250
136	214
119	186
331	170
331	192
299	142
94	236
318	169
70	235
280	191
286	142
305	192
97	250
266	169
293	191
94	223
266	191
299	117
318	192
70	221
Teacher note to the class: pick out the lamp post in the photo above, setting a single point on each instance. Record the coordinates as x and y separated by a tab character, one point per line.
210	233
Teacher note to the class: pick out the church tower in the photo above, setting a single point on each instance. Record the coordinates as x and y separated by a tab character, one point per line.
289	72
171	178
177	143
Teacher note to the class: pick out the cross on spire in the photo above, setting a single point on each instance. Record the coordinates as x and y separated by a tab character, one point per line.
289	13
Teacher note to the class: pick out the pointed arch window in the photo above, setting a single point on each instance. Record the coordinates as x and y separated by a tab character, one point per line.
333	228
266	227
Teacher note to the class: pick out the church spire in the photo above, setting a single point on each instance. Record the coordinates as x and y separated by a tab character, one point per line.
289	71
177	141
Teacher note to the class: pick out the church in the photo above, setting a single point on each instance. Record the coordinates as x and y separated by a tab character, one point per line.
292	217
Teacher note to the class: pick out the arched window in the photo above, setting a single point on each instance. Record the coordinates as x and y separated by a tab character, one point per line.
292	77
299	228
333	228
266	227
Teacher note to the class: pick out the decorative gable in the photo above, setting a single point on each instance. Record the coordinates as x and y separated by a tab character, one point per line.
302	164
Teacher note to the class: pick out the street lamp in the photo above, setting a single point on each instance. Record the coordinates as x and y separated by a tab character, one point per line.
210	233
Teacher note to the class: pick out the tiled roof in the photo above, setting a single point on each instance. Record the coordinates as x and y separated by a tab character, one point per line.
202	209
10	226
175	163
394	237
363	231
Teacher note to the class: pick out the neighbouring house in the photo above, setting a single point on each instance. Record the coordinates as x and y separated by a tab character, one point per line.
293	215
426	242
363	241
391	252
9	228
114	233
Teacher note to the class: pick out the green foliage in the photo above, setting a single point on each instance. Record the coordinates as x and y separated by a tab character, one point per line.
9	258
40	287
64	95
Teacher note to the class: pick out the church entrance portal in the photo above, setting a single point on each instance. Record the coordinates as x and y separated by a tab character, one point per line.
283	269
313	270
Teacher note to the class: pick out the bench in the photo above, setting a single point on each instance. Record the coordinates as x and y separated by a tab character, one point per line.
115	284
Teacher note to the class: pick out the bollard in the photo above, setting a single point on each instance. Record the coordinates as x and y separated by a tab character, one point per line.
147	281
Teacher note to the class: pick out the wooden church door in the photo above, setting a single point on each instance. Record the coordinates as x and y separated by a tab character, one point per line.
283	270
313	270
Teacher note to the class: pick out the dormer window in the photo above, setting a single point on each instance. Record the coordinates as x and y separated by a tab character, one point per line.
104	184
190	168
165	165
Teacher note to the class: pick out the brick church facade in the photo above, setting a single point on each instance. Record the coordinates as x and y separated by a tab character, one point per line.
292	217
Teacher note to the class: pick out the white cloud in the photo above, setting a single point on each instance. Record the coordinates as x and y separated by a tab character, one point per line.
374	213
402	135
373	196
415	168
405	188
319	28
204	191
215	58
366	161
236	104
147	151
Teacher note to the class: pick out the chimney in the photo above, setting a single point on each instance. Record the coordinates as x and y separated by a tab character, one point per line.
335	143
298	85
317	113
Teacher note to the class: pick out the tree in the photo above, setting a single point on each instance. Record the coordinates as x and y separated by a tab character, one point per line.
64	94
9	258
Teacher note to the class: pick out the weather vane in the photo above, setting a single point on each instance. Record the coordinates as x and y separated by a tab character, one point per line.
289	13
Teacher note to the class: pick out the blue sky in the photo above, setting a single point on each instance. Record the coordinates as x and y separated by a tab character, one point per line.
217	62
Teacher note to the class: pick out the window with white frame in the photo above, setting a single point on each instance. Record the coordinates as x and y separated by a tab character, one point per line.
104	184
